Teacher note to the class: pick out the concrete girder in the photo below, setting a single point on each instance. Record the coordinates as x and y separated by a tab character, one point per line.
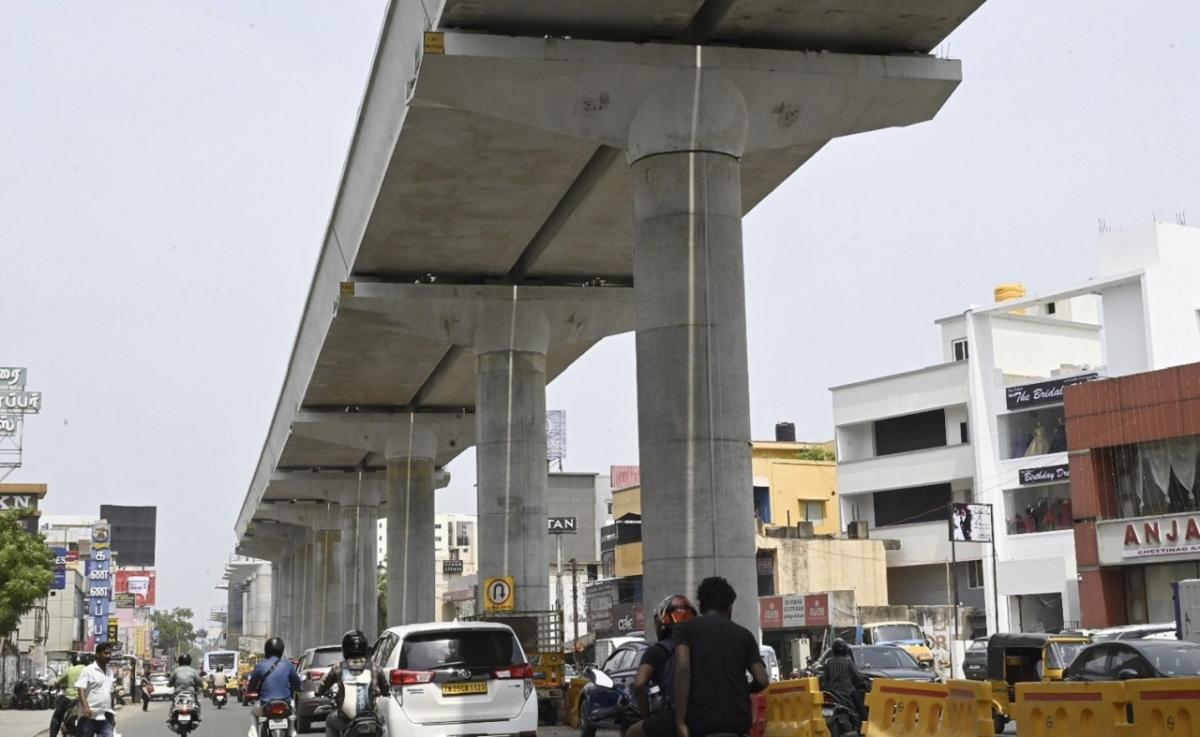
366	487
415	434
317	516
494	318
615	93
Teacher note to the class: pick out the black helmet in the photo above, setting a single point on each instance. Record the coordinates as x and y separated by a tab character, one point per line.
355	645
185	659
840	647
87	659
274	648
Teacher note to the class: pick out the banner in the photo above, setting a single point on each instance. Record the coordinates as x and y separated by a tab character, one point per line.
60	569
141	582
99	581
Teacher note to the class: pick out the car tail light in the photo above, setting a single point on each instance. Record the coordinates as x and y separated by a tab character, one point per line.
315	675
524	670
277	709
411	677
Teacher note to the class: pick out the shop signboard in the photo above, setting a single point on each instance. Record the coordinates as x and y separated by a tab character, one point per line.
99	580
1028	396
1045	474
141	582
770	612
816	610
1148	538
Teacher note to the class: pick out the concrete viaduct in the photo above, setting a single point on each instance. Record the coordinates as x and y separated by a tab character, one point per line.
526	178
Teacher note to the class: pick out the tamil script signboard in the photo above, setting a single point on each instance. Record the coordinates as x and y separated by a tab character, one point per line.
12	377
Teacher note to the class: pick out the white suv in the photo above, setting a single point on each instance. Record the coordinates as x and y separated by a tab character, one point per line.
460	678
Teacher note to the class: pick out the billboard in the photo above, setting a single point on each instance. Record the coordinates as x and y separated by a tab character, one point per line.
970	523
133	533
99	580
60	569
139	582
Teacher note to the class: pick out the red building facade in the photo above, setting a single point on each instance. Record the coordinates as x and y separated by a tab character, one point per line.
1134	447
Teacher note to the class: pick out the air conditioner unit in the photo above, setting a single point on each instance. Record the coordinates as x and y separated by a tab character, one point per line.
858	530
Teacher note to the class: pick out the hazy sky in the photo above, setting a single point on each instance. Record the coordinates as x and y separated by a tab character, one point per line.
167	171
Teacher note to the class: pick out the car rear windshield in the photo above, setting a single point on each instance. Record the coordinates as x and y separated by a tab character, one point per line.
883	658
470	648
897	633
325	658
1176	661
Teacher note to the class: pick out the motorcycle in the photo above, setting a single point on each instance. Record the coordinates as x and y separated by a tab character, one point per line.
277	720
248	698
183	714
620	713
841	714
354	703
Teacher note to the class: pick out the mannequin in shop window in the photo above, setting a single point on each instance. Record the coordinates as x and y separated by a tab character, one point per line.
1040	445
1058	442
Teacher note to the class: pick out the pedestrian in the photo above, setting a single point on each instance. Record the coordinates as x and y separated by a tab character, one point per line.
95	685
712	655
147	688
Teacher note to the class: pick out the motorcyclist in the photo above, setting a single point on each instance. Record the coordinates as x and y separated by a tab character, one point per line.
70	694
185	679
657	667
219	680
842	677
274	678
355	649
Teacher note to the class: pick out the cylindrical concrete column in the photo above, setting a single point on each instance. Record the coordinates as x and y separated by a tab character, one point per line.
329	573
410	545
285	608
303	619
233	615
693	394
510	451
358	541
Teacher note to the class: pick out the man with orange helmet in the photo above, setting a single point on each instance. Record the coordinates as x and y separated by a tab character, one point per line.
658	667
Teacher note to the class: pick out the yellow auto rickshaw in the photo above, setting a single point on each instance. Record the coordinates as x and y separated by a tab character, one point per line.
1026	657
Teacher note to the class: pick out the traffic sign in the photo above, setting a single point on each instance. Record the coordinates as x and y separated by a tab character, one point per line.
499	594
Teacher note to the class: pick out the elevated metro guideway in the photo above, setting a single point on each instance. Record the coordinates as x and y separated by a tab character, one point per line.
521	153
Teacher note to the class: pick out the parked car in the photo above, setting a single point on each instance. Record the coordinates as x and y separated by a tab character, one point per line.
1121	660
884	661
975	664
621	667
456	678
1133	631
315	663
162	691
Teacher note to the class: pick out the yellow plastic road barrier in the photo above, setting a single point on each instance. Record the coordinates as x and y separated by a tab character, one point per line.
1072	710
1165	707
901	708
968	710
794	709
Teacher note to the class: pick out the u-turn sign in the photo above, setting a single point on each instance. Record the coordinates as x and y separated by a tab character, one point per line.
498	594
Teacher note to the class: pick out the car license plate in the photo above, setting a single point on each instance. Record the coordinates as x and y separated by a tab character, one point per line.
827	711
278	724
464	688
185	717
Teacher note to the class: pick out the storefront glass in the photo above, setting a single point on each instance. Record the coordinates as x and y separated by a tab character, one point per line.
1045	508
1158	478
1033	433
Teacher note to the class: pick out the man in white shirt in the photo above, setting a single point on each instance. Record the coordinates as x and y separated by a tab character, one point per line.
95	696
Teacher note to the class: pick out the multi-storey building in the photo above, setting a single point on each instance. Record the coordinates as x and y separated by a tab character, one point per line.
986	425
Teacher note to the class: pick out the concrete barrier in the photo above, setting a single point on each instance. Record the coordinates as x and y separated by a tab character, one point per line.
1072	710
1166	707
903	708
794	709
969	710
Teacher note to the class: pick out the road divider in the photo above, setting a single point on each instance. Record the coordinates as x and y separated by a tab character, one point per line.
904	708
1072	710
1165	707
793	709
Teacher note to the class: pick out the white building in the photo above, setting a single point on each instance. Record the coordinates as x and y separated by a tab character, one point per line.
986	425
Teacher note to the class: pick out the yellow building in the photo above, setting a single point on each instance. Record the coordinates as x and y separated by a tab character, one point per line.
789	487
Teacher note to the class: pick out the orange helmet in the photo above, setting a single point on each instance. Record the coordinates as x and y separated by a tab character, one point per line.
672	610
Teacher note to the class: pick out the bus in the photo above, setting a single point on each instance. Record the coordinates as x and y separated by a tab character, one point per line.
227	659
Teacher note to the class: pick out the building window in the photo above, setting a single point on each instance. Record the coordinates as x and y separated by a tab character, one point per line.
963	435
813	511
1044	508
961	352
610	509
438	539
910	432
975	574
453	553
1158	478
1033	433
765	563
909	506
1051	308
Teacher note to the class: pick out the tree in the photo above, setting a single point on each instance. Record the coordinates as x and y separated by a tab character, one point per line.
26	570
815	453
175	631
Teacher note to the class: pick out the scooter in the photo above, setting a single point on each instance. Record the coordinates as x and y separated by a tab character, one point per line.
622	714
277	720
220	697
183	714
841	714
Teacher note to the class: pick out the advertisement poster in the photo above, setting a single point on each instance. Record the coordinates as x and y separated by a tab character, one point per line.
139	582
99	581
60	569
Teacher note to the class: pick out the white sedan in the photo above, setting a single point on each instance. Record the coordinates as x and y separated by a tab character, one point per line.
161	689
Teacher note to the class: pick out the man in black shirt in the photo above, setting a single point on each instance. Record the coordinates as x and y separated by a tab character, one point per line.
712	657
841	676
